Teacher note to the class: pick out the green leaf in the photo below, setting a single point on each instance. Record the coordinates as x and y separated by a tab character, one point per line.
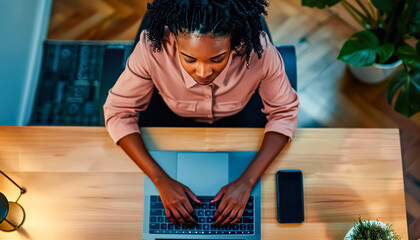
414	99
416	83
403	103
418	47
414	23
396	82
355	53
367	37
319	3
415	80
361	49
383	5
408	100
406	50
417	65
404	10
408	54
385	52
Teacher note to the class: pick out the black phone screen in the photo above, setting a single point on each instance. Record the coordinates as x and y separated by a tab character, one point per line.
289	196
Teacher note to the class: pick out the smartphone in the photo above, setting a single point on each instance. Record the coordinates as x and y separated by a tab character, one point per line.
290	196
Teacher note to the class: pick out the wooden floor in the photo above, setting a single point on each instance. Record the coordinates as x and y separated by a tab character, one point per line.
329	94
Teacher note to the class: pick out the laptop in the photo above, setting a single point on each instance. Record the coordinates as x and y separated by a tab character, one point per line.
205	173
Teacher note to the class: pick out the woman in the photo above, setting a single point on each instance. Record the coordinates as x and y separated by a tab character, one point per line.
206	58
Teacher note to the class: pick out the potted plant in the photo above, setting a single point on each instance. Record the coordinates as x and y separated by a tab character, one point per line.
371	230
382	45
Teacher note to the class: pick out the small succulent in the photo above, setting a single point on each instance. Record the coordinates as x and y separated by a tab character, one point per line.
369	230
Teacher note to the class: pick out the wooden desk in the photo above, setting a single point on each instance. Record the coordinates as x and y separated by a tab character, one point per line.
82	186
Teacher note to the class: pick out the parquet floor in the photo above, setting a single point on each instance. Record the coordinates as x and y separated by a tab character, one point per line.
329	94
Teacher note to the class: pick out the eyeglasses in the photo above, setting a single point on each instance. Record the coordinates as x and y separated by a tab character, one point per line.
12	214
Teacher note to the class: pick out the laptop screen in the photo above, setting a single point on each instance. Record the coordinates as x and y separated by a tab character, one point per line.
203	173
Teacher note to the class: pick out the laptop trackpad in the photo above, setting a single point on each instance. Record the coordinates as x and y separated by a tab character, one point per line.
204	173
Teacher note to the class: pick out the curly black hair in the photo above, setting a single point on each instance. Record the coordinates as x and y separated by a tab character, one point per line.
238	19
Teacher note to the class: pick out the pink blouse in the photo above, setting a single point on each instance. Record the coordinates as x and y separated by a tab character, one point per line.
229	93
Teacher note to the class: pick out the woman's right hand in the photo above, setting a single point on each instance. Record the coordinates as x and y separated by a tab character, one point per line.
174	196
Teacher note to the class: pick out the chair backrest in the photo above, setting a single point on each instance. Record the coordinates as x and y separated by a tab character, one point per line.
288	53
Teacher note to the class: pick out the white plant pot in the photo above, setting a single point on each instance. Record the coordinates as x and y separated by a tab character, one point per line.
376	73
350	232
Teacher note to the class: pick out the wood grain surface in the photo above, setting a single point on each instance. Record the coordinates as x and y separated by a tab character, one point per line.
82	186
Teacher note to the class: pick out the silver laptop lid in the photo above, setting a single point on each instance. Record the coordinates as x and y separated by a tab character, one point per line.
237	163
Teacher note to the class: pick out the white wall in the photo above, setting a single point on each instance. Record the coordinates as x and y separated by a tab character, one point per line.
23	28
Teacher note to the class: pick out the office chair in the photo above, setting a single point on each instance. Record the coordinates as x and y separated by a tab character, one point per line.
159	115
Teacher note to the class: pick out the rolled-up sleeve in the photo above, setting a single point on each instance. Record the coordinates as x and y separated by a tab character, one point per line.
281	103
130	94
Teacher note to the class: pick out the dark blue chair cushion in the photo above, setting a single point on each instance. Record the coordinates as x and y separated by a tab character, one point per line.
288	54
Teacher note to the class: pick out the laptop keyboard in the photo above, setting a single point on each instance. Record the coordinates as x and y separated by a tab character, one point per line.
160	224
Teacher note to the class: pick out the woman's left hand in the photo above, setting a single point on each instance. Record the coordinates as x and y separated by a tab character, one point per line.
234	197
